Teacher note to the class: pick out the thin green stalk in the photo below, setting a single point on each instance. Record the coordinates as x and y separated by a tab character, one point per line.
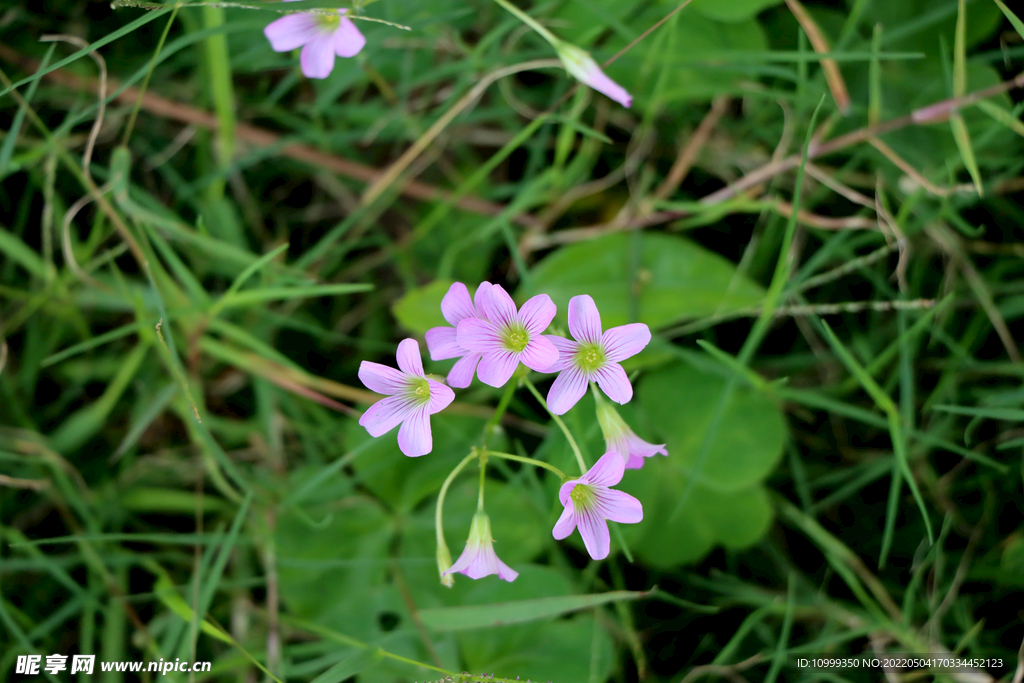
531	22
506	398
529	461
561	425
483	479
145	81
442	547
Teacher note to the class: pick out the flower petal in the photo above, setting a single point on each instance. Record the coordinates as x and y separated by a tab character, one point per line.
618	506
613	381
536	314
291	31
382	416
348	41
607	471
409	357
480	336
317	58
440	397
456	305
496	368
461	374
625	340
482	292
442	343
584	319
414	437
382	379
566	523
498	307
582	66
567	348
594	531
566	390
539	354
565	489
505	572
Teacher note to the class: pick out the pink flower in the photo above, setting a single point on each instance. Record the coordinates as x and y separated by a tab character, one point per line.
505	336
443	343
411	399
593	356
620	438
583	67
589	502
321	35
478	559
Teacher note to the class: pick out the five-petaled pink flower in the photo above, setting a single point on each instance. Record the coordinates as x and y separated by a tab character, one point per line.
593	356
321	35
479	559
505	336
411	399
589	502
620	438
443	343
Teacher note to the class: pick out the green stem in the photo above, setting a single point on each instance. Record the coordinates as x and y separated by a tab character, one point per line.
561	425
444	492
531	22
529	461
510	389
483	477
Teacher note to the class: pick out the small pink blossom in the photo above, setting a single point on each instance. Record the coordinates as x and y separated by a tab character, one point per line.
321	35
505	336
411	399
620	438
583	67
443	343
479	559
594	356
589	502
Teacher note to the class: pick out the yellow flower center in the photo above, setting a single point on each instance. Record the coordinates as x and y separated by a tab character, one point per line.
328	20
590	357
516	338
419	389
582	496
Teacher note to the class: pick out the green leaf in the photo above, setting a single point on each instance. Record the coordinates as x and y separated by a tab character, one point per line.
420	309
1018	25
680	401
352	664
675	277
731	10
466	617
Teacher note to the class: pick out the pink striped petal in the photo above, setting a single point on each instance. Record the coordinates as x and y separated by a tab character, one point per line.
584	319
495	369
499	307
594	531
625	341
461	374
539	354
480	336
384	415
536	314
414	437
348	41
291	31
317	57
607	471
566	390
440	397
443	343
566	523
565	489
456	305
567	348
382	379
618	506
613	381
409	357
482	292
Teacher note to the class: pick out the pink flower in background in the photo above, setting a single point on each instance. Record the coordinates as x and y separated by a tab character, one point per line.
620	438
411	399
583	67
479	559
321	35
593	356
443	343
589	502
505	336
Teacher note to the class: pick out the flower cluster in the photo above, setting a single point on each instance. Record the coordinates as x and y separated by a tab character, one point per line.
324	34
490	337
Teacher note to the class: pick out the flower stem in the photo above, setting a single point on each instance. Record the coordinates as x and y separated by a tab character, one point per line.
530	21
506	398
483	477
444	492
561	425
529	461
